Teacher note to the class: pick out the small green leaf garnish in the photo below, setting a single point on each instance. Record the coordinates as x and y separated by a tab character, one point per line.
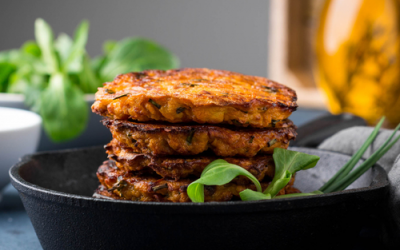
250	195
274	122
119	185
156	188
236	123
218	172
199	80
271	142
251	139
155	104
120	96
109	91
287	163
190	137
180	110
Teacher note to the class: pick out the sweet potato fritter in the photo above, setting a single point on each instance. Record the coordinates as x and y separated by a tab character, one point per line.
163	139
179	167
196	95
118	184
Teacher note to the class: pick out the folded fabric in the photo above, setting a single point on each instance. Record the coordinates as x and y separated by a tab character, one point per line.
348	141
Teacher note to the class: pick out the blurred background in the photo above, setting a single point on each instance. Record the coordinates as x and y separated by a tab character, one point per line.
231	35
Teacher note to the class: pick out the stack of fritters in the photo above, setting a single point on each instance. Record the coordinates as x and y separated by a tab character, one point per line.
167	126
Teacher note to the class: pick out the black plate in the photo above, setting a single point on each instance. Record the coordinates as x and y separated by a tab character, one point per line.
56	189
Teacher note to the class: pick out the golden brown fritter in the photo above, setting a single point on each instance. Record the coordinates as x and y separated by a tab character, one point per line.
118	184
164	139
196	95
179	167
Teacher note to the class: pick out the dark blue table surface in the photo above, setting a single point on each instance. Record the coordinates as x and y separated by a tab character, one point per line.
16	230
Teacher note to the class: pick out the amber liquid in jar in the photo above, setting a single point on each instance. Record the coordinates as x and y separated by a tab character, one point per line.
357	50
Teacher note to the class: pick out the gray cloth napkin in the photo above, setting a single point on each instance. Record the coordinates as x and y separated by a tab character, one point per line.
348	141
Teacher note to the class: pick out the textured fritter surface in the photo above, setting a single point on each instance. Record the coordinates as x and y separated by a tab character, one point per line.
163	139
181	167
195	95
118	184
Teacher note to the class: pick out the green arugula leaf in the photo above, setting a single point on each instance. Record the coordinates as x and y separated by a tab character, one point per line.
31	48
97	63
63	46
10	56
44	39
287	163
136	54
196	192
6	69
17	83
87	77
250	195
63	108
77	51
218	172
108	46
33	91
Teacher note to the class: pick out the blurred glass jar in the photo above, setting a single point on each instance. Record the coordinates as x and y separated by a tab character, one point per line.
357	50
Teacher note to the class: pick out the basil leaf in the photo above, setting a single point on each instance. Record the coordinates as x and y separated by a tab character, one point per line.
63	46
63	108
212	165
77	50
44	39
31	48
136	54
218	172
17	83
298	194
196	192
250	195
277	184
87	78
287	163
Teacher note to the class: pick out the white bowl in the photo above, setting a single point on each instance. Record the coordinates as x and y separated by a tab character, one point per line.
95	133
19	135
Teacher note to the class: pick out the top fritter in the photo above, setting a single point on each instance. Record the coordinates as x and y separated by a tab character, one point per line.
196	95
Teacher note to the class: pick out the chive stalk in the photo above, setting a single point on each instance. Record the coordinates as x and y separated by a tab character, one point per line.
345	181
353	161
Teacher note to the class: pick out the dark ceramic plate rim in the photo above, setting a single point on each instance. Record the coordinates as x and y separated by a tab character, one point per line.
225	207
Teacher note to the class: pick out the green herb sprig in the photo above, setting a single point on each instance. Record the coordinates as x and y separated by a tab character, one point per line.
287	163
218	172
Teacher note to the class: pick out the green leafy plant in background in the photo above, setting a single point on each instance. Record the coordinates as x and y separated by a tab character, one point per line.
287	163
54	74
